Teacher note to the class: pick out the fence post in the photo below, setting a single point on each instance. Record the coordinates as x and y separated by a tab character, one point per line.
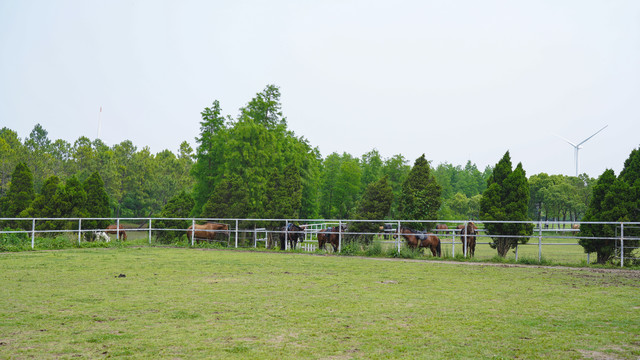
236	233
453	243
464	240
193	231
398	237
33	233
286	234
339	236
118	229
79	230
539	241
149	231
621	244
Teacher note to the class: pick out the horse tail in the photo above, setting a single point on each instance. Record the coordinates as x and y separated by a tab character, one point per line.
439	249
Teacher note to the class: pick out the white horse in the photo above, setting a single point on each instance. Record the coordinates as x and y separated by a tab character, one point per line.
102	236
97	236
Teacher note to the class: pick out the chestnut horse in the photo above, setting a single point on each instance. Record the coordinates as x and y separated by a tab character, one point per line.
330	235
115	229
207	231
468	236
293	234
420	239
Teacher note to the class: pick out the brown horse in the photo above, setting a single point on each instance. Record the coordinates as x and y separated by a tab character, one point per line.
468	236
443	228
207	231
330	235
115	229
418	239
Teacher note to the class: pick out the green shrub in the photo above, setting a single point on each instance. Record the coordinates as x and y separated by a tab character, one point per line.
375	249
350	249
14	241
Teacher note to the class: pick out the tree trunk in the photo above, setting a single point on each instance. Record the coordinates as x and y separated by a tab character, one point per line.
602	257
503	245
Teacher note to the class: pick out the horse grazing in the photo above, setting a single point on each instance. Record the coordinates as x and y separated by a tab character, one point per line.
102	236
330	235
419	239
444	229
96	236
207	231
293	233
468	237
115	229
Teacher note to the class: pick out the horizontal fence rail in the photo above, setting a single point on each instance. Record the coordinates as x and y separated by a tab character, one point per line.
271	232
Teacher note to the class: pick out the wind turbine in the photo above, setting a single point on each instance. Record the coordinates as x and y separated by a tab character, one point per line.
578	146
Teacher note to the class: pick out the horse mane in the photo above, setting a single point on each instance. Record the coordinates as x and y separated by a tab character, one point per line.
411	229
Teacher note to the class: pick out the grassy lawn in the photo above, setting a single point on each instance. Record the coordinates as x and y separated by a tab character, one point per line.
191	303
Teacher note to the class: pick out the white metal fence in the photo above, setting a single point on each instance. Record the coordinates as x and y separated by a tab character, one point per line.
273	228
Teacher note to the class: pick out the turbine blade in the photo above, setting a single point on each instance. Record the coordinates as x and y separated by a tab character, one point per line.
585	140
572	144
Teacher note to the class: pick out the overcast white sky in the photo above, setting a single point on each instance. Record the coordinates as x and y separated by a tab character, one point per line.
455	80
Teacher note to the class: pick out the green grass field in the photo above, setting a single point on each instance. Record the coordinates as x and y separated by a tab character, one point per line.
180	303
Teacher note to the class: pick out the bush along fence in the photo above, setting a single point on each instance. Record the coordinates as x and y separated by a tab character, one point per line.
616	240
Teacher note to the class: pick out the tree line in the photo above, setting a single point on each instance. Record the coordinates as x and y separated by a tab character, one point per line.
253	166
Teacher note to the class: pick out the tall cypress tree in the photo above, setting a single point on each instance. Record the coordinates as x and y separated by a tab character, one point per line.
72	199
375	204
21	192
97	205
284	194
598	211
230	199
506	199
207	169
613	200
180	206
44	205
421	195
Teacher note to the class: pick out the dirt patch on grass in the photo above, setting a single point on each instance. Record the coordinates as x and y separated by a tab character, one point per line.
597	355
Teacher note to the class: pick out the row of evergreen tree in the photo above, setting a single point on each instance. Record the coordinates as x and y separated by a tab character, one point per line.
252	166
56	199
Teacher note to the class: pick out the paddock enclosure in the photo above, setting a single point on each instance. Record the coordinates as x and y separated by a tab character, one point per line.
552	241
199	303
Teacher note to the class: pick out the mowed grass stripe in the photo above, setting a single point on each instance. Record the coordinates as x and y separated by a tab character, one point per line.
190	303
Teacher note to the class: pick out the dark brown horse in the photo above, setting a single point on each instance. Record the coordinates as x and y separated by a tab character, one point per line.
330	235
113	229
468	237
293	233
419	239
387	229
207	231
